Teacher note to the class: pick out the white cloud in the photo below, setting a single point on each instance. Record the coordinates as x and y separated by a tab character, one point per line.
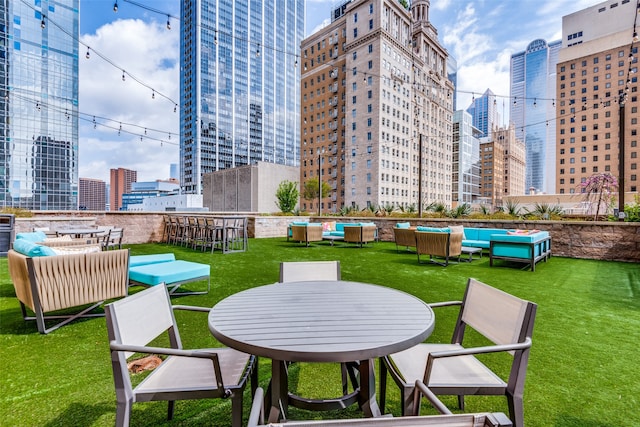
441	4
147	52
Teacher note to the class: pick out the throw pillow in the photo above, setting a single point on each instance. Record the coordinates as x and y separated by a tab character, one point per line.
457	229
31	249
35	236
403	225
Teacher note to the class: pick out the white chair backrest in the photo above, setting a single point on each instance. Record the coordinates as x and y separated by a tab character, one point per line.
497	315
139	318
309	270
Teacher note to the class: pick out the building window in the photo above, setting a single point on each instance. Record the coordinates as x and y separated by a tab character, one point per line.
355	33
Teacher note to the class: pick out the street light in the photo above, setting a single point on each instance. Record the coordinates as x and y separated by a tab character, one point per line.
320	153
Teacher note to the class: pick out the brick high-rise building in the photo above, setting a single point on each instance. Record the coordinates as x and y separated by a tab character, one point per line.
121	180
597	65
514	160
376	108
92	194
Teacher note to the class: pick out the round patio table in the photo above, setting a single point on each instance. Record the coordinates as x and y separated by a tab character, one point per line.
321	321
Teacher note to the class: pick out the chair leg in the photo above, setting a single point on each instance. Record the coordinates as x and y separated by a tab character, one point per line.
383	385
170	407
516	410
461	402
236	408
123	413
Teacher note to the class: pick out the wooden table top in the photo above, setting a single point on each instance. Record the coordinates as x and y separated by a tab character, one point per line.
321	321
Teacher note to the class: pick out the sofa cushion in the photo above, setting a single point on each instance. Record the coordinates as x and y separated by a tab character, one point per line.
403	225
434	229
476	243
75	250
35	236
31	249
486	233
65	238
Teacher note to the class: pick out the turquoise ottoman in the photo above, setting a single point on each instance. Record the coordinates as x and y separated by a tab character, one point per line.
171	273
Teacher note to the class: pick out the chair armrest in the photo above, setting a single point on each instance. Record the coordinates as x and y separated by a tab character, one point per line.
256	416
481	350
444	304
422	390
163	350
191	308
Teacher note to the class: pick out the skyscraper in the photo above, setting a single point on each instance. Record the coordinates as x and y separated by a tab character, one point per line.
598	64
92	194
376	108
466	159
484	112
532	111
39	104
239	85
121	180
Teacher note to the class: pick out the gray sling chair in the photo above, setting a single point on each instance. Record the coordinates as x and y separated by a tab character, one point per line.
320	270
256	418
135	321
453	369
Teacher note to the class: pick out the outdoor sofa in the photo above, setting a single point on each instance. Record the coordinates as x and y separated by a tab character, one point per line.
48	279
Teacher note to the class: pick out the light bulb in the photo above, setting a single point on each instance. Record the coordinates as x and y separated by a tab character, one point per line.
123	75
87	55
258	51
168	23
115	6
635	37
153	95
42	23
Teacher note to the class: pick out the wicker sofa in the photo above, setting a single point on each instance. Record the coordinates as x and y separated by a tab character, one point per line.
83	278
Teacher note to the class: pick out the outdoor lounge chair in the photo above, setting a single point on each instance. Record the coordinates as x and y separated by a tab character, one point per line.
404	237
359	234
256	418
438	244
135	321
306	233
79	281
453	369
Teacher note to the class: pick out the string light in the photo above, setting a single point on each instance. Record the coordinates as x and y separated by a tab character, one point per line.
123	78
258	51
535	102
168	23
120	129
42	23
94	122
115	6
153	94
88	55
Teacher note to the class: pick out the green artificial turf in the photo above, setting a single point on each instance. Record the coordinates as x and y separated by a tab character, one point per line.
583	369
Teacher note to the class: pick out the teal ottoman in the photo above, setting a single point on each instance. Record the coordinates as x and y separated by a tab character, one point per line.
171	273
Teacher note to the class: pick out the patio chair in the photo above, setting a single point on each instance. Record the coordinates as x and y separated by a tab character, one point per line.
452	369
256	417
135	321
319	270
114	239
438	244
309	270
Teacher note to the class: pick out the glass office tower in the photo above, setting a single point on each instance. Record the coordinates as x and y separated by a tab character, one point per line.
39	104
532	110
239	85
484	111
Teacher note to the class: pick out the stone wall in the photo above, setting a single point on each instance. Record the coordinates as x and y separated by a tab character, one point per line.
575	239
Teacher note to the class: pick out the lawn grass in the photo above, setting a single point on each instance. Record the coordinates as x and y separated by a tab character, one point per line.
582	371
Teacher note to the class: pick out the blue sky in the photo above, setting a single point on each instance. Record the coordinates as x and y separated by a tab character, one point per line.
481	34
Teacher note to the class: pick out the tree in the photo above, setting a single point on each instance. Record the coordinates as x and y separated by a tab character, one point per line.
310	189
287	195
599	188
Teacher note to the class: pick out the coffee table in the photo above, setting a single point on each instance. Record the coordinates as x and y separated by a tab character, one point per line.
471	250
321	321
